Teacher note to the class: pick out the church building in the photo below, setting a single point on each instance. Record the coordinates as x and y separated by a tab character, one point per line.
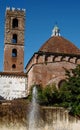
46	66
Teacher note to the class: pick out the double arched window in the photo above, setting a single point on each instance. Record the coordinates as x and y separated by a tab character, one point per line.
14	53
15	23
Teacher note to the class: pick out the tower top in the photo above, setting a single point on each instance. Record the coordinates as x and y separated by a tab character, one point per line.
14	9
56	31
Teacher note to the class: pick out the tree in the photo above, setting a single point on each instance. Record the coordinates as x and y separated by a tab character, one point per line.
71	90
67	96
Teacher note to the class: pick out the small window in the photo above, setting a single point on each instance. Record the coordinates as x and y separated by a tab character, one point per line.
13	66
14	53
14	39
15	23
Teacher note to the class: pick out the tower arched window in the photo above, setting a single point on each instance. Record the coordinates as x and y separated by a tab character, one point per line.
14	53
15	23
14	39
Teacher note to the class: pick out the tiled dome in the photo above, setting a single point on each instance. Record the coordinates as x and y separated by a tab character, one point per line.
58	44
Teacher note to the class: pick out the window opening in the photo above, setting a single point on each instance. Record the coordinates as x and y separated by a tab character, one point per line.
15	23
14	53
14	39
61	83
13	66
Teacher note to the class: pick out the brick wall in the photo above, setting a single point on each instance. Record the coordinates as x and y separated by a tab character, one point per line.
49	70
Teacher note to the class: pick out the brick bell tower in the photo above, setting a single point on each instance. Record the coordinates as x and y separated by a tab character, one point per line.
14	40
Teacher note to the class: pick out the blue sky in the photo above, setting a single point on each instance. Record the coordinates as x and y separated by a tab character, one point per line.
41	16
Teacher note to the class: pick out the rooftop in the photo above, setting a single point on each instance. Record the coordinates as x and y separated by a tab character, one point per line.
58	44
18	74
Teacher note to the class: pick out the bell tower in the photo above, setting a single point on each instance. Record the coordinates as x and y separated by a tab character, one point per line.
14	40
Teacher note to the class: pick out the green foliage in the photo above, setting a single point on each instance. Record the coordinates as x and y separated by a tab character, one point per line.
46	97
70	91
73	85
67	96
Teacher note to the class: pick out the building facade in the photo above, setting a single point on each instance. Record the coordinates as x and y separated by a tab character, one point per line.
13	85
47	65
14	40
13	80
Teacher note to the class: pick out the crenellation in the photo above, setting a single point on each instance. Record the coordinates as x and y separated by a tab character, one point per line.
66	58
78	61
57	58
73	60
7	8
24	10
15	9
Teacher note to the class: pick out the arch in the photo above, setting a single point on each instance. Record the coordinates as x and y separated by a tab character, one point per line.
61	83
76	60
46	58
14	39
39	59
13	66
54	58
69	59
63	58
14	53
15	23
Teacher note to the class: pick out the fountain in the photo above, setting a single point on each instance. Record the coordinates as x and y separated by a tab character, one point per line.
34	115
36	122
41	118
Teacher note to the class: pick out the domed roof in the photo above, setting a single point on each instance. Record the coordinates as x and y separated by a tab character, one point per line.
58	44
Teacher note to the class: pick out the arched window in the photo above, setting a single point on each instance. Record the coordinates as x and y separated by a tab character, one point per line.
13	66
61	83
15	23
14	39
14	53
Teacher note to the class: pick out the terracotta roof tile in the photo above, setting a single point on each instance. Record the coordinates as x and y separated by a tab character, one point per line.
22	74
59	44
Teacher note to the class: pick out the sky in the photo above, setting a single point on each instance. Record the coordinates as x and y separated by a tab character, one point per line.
41	17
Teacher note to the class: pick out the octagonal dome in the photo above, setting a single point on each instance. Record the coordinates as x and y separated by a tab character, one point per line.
58	44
